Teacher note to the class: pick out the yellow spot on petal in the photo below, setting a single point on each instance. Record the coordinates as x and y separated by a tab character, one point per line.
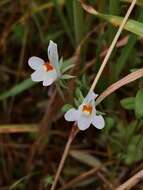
48	67
87	109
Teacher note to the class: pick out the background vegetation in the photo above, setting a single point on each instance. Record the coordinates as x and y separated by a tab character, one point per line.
33	132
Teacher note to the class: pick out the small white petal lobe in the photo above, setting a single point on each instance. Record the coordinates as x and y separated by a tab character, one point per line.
98	121
53	55
90	96
72	115
37	76
48	82
35	62
83	123
49	77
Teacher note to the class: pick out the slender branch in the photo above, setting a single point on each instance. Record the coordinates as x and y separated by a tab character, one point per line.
72	135
85	175
113	45
36	146
18	128
132	181
115	86
80	178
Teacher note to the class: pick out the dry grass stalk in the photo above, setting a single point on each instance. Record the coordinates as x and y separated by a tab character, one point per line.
127	79
72	135
132	181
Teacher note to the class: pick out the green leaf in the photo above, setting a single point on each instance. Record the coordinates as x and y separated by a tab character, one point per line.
48	180
135	150
64	21
128	48
131	130
64	64
18	32
128	103
66	107
67	68
85	158
79	24
77	102
131	25
139	104
79	94
26	84
66	77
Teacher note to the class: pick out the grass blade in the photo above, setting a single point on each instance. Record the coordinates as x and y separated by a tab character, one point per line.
78	21
114	10
131	25
121	61
26	84
64	22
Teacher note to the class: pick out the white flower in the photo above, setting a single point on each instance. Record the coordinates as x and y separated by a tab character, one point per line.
85	115
47	72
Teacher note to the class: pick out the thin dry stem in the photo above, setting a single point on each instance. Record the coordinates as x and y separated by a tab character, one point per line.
107	183
84	176
80	178
115	86
41	131
113	45
18	128
132	181
72	135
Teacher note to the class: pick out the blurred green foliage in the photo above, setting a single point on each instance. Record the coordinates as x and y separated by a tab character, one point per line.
27	27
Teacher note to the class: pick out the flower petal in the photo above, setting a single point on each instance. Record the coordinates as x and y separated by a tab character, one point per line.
48	82
37	76
35	62
49	77
98	121
90	96
53	55
84	122
72	115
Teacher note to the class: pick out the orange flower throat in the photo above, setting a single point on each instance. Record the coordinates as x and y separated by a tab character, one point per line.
48	67
87	108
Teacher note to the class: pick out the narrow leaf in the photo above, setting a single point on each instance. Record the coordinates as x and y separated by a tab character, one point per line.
128	103
66	77
24	85
131	25
67	68
85	158
66	107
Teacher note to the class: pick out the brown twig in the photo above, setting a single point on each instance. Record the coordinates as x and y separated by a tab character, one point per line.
43	126
115	86
18	128
107	183
131	182
72	135
80	178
